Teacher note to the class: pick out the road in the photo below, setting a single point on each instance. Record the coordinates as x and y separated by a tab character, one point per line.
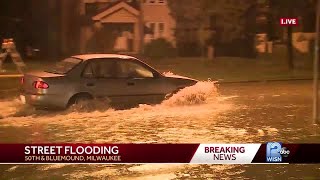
236	113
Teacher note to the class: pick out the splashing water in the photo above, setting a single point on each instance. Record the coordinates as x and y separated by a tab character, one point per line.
187	116
200	93
15	108
169	73
91	106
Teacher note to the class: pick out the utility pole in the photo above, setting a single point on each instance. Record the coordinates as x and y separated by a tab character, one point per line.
141	27
316	70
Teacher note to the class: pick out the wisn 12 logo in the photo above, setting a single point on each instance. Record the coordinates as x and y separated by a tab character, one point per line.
275	152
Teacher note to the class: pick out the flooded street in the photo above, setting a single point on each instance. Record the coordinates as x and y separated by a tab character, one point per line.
205	113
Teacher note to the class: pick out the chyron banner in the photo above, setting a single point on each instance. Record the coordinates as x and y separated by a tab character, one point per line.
269	153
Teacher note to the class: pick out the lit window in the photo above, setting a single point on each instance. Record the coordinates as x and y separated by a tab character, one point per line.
155	1
161	29
151	1
152	27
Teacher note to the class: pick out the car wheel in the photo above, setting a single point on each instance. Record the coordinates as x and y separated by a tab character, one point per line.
80	102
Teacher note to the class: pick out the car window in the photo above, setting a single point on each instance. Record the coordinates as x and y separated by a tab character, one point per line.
129	69
88	72
64	66
103	68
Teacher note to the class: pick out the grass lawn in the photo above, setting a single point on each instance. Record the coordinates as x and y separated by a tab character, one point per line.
223	69
234	69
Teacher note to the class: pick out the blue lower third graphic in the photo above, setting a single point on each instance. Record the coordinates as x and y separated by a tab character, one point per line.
273	152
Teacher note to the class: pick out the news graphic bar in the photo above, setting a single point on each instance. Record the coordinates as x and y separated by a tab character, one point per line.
270	153
288	153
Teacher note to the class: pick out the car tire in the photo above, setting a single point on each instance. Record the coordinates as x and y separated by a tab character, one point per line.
81	101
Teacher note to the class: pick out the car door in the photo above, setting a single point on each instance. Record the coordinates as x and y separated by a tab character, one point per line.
144	85
100	79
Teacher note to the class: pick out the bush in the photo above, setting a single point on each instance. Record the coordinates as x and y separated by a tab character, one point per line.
189	49
159	48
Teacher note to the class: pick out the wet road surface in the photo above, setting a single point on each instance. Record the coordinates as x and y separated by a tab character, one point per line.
237	113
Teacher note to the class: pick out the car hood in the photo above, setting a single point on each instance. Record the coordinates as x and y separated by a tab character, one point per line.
179	77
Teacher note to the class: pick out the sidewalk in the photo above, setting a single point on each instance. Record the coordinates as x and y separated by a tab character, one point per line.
264	80
10	75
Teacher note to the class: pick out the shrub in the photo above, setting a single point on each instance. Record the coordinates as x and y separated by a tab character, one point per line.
189	49
159	48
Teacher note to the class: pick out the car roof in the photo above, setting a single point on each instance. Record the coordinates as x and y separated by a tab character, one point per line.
98	56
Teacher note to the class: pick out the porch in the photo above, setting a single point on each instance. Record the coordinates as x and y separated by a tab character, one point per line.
116	29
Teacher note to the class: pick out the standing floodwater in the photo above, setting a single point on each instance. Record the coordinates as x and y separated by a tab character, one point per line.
204	113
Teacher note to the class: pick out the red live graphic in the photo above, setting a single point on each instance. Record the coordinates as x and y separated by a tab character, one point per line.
289	22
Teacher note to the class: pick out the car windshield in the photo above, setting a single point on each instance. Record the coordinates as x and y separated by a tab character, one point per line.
64	66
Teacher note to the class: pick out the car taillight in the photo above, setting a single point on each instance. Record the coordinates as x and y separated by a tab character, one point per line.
40	85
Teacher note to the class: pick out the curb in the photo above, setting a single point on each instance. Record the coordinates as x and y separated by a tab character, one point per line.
10	75
264	81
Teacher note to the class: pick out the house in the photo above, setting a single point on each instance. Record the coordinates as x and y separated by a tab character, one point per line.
123	25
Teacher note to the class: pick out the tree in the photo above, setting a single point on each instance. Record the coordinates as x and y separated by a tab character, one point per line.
225	18
234	30
188	20
288	8
229	16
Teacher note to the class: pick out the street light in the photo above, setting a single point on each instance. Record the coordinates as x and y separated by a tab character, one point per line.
316	69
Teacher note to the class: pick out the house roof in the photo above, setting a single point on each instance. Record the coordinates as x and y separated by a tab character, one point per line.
132	3
114	7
